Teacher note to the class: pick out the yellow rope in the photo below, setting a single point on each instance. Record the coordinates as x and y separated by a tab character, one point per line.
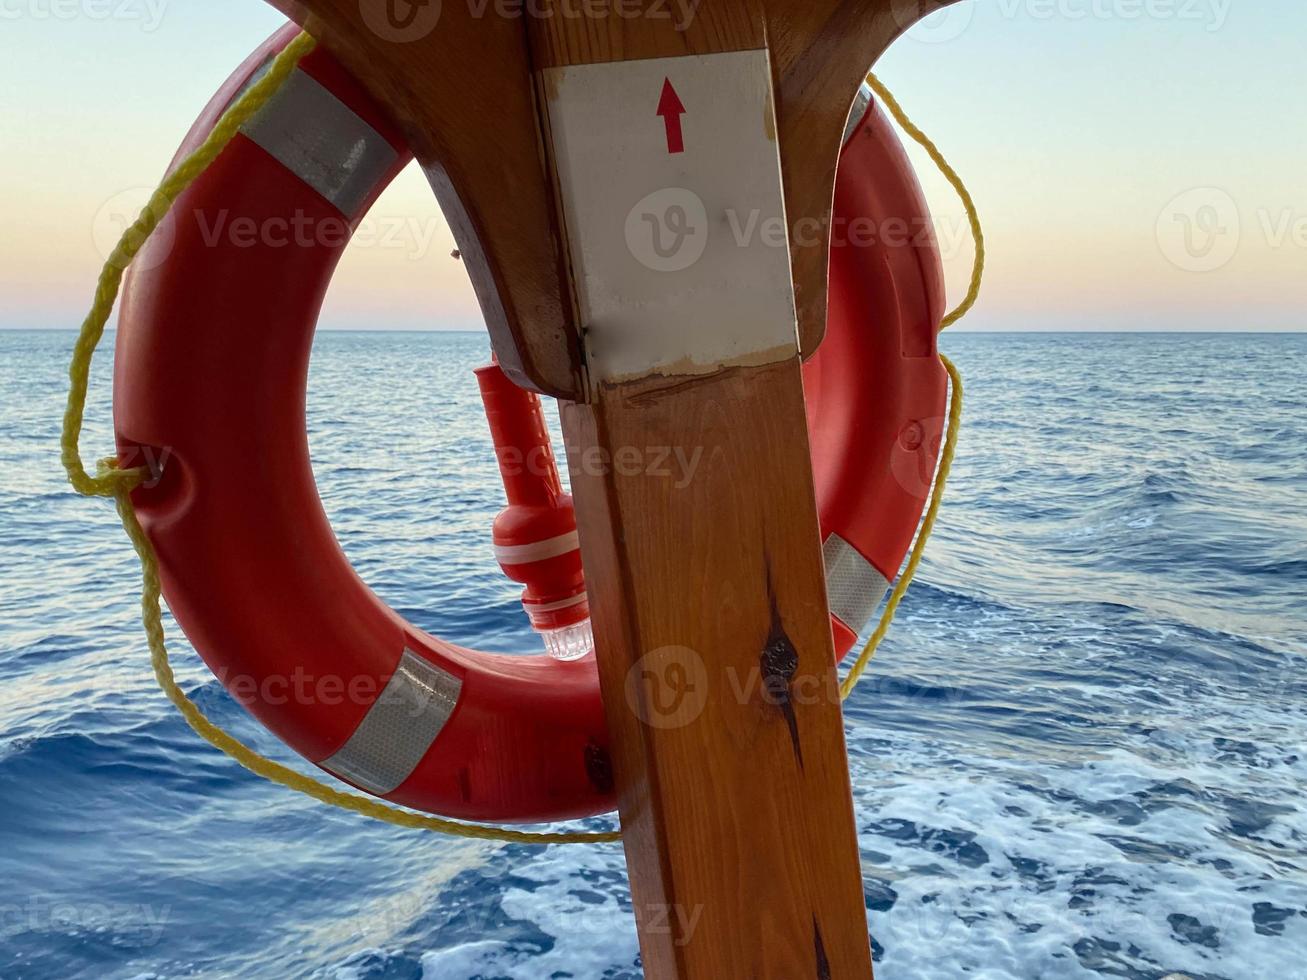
109	481
151	614
923	536
951	175
955	381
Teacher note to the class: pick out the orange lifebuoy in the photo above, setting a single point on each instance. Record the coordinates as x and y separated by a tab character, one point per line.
210	377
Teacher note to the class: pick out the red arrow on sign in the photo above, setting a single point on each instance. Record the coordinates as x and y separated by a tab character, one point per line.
671	109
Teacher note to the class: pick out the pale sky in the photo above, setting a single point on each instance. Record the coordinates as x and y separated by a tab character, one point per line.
1139	164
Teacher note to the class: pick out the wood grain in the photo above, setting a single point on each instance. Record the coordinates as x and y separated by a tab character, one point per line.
712	632
719	681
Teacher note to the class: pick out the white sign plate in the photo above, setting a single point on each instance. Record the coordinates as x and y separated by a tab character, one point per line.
670	181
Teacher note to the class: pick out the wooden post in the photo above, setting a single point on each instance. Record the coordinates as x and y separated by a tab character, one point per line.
708	597
620	230
718	678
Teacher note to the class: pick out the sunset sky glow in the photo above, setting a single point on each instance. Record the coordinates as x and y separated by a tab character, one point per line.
1098	137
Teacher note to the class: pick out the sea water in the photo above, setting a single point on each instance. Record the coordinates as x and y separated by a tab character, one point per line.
1081	753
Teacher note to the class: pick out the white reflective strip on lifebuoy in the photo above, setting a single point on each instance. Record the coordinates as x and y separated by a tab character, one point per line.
854	586
861	103
522	554
544	607
399	728
323	142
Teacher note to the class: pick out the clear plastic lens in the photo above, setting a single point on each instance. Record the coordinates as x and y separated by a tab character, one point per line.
570	642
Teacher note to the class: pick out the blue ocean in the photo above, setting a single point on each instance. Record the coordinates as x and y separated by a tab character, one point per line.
1082	752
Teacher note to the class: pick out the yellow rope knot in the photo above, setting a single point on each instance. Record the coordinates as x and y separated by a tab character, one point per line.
111	481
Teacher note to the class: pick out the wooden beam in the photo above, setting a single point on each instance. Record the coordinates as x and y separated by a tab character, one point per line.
719	680
708	594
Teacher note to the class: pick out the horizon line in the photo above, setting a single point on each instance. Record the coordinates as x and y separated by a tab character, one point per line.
482	332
